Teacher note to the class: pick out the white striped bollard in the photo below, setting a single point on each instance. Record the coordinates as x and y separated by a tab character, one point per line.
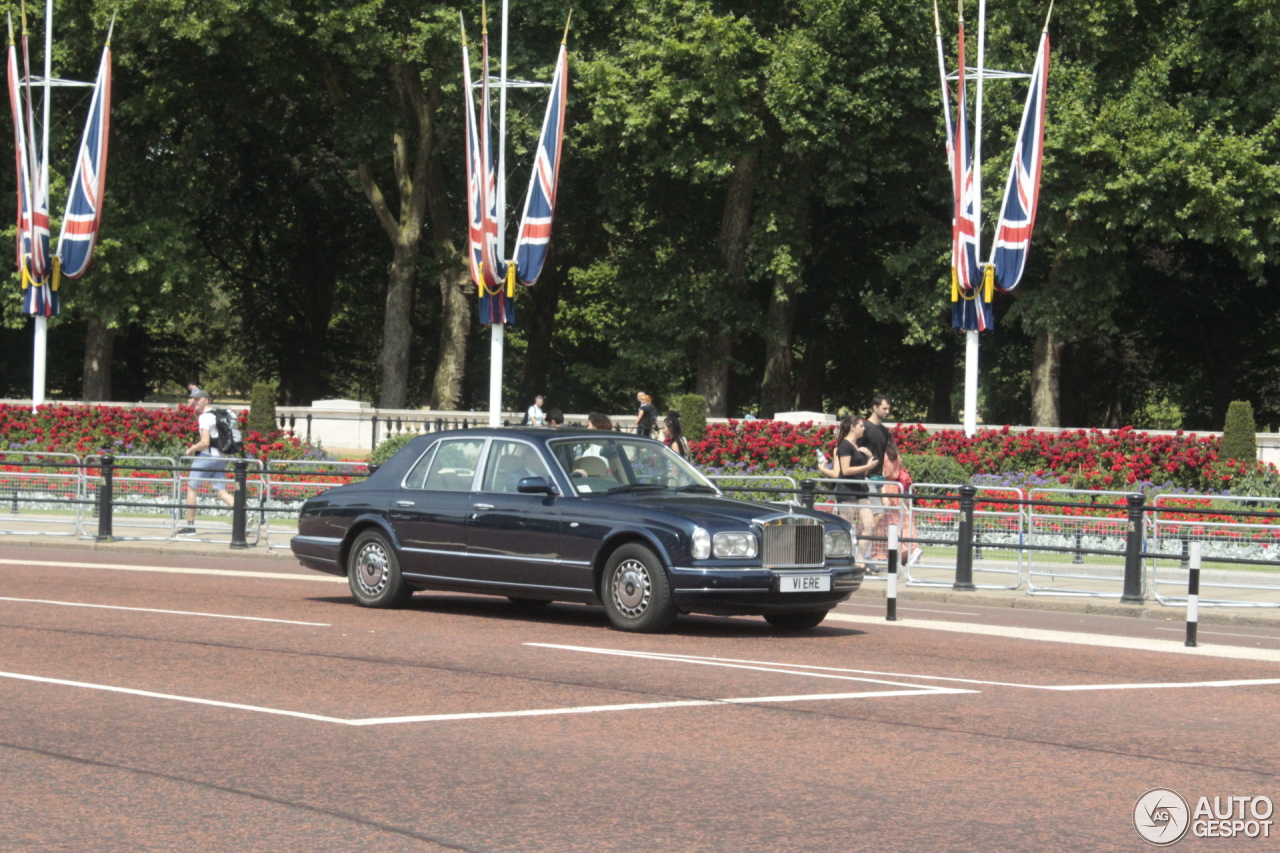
1193	594
891	597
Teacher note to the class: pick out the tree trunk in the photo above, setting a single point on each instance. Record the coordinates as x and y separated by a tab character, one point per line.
944	379
455	325
397	332
540	329
812	374
775	390
717	348
1046	370
412	163
99	341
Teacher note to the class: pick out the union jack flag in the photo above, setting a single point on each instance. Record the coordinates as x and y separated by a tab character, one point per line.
88	183
540	201
475	195
496	306
38	296
1022	192
968	310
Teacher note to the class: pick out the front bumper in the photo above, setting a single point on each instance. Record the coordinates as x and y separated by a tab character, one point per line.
755	591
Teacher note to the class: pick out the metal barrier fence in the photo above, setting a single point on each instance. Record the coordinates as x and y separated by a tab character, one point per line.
40	503
1251	542
1075	543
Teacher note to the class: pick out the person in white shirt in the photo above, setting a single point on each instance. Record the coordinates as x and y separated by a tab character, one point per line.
208	464
536	418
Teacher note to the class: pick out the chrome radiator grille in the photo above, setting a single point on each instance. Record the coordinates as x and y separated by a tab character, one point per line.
786	544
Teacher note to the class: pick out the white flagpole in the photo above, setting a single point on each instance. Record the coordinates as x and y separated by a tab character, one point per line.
971	337
497	331
41	179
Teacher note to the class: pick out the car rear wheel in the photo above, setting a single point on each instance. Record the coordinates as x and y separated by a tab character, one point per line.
796	621
373	572
636	592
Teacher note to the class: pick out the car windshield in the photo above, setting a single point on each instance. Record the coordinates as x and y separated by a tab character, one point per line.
609	464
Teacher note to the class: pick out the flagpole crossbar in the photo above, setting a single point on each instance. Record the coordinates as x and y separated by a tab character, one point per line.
54	82
496	83
971	72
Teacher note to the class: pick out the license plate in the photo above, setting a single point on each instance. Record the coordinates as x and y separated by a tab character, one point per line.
804	583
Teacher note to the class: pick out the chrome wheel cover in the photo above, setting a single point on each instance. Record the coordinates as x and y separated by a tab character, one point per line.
632	588
372	569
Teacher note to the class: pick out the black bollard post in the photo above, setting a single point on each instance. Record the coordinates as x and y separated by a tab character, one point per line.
964	542
308	427
1193	595
807	488
105	498
1133	551
238	505
891	597
374	444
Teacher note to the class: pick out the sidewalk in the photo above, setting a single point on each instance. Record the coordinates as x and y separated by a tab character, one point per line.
873	588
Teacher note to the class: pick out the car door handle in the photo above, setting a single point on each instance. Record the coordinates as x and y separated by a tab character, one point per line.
405	503
482	506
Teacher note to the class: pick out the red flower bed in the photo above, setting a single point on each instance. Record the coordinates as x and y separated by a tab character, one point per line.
1097	459
90	430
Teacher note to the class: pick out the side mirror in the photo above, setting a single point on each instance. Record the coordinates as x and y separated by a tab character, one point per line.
536	486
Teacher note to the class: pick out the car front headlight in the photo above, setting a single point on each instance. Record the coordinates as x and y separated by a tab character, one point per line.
701	544
837	544
735	545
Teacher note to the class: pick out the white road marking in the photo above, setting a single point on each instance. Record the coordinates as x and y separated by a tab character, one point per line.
437	718
759	666
124	567
1222	634
676	658
171	612
1042	635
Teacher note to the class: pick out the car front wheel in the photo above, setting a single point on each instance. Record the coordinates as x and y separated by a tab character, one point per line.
636	592
796	621
373	572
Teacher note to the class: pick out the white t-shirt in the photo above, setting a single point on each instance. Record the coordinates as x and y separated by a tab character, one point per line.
535	415
209	421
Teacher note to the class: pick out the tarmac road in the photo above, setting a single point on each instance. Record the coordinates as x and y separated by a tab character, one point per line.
155	702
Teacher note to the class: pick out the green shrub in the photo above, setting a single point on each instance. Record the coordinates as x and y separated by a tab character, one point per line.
262	408
693	415
389	447
935	469
1239	434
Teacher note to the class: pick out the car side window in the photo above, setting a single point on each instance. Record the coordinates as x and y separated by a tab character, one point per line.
454	465
509	463
418	475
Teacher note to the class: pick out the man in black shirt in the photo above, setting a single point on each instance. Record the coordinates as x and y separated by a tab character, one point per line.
876	437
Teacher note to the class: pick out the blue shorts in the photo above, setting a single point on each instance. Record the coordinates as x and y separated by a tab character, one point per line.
205	467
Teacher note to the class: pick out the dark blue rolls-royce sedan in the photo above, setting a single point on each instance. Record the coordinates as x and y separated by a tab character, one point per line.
541	515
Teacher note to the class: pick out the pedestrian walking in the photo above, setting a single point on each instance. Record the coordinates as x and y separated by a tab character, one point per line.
209	466
535	417
555	418
647	416
851	461
595	420
673	434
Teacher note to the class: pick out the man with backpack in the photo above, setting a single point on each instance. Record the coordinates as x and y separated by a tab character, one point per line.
210	463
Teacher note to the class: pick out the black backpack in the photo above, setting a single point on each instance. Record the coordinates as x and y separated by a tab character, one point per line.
225	434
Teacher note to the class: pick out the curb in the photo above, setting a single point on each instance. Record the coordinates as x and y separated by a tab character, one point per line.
1242	617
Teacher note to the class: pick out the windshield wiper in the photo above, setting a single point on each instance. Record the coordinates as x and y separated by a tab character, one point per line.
698	487
636	487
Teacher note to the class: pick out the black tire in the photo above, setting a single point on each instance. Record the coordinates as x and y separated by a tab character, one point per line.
636	592
528	603
796	621
373	572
